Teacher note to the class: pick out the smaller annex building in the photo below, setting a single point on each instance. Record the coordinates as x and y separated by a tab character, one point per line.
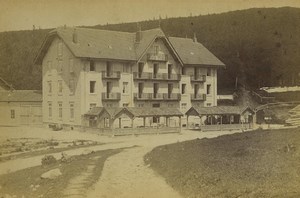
221	118
120	119
19	107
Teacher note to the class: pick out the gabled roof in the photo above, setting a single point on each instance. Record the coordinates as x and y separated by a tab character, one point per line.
218	110
21	96
115	45
5	85
194	53
115	112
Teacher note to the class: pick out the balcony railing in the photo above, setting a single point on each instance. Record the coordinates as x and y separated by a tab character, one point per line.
148	96
111	75
198	78
198	96
157	76
157	57
111	96
171	96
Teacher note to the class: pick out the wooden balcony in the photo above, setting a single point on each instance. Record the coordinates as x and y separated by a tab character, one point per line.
171	96
198	78
158	76
198	97
111	75
157	57
111	96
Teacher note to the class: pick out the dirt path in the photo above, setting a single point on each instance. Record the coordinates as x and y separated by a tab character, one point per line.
125	175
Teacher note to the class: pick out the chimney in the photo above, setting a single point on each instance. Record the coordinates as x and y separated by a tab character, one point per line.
75	39
138	34
195	38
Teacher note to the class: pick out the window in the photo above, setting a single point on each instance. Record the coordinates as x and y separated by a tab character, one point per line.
155	120
71	86
208	89
140	105
50	109
49	87
171	105
12	114
208	71
183	71
71	65
60	87
183	105
71	110
125	87
183	88
92	66
60	112
156	49
126	68
208	104
92	105
125	104
60	48
156	105
60	67
92	86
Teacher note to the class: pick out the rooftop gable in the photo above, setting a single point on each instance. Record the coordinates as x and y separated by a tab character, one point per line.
194	53
116	45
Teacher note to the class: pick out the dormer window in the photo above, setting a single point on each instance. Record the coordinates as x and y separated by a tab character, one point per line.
156	49
60	48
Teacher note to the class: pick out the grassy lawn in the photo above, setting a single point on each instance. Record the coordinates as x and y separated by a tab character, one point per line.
28	182
251	164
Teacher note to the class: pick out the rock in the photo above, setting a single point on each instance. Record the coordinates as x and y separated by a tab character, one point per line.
87	151
52	174
31	186
37	186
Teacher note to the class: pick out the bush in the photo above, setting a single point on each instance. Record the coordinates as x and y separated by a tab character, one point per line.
48	159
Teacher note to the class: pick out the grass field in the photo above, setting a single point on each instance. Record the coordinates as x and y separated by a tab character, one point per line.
28	182
251	164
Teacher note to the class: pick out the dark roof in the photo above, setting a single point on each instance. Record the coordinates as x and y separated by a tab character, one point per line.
194	53
95	111
134	111
115	45
218	110
21	96
149	112
5	85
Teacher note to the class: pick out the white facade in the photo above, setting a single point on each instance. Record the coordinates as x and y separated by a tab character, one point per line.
71	85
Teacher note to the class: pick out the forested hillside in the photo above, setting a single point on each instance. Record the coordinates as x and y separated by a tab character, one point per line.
259	46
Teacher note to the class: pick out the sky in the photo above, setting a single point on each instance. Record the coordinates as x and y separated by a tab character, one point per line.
23	14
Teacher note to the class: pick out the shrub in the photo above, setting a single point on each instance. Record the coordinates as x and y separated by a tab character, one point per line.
48	159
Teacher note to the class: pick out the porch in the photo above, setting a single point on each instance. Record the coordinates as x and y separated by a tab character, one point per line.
133	120
220	118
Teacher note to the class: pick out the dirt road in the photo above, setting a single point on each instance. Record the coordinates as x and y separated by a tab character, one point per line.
124	174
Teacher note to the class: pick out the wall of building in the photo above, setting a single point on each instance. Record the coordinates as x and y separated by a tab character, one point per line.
65	68
59	68
20	113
